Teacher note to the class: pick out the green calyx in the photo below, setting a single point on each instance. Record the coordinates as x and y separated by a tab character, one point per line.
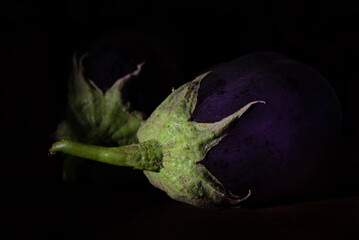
185	144
178	146
96	117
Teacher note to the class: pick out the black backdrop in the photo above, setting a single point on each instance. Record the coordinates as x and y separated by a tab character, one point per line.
38	41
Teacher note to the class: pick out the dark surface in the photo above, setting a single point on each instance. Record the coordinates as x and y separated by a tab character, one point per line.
37	44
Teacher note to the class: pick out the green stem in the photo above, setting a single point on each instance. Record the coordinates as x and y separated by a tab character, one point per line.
142	156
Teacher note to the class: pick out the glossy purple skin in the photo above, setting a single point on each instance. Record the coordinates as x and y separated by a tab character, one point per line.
281	150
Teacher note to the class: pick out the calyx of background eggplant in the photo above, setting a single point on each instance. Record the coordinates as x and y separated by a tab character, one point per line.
95	116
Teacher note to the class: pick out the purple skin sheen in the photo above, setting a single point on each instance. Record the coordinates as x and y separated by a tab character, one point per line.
281	150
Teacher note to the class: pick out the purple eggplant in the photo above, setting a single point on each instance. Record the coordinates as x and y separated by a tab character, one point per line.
258	130
281	150
113	57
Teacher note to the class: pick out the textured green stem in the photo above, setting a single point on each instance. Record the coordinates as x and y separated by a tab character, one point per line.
144	156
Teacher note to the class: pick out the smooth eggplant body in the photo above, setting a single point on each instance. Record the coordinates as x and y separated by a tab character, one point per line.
282	150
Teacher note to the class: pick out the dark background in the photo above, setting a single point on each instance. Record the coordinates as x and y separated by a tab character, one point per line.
37	43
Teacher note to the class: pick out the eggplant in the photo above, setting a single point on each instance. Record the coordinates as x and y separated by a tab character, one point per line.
258	130
115	83
283	151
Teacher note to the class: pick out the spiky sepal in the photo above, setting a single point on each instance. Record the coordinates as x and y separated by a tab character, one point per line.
96	117
184	145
